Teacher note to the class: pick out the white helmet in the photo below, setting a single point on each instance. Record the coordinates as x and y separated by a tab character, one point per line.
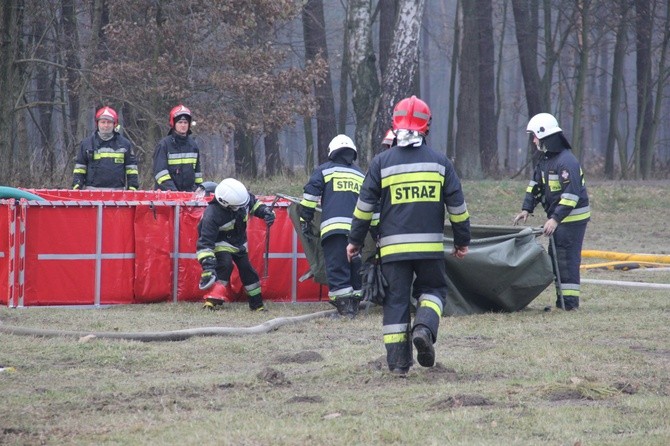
232	194
339	142
543	125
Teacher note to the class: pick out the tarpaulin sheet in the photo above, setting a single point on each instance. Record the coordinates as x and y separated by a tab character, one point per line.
504	270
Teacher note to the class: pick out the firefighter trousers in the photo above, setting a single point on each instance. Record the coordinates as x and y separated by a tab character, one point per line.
426	279
568	239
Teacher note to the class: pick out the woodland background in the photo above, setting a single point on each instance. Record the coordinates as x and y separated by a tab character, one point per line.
270	82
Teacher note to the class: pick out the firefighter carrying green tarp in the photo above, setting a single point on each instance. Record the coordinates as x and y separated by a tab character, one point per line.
412	184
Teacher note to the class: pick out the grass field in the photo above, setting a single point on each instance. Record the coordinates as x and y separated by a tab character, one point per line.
598	376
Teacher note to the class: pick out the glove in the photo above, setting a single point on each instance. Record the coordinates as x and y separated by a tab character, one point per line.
373	283
306	228
207	279
208	276
269	217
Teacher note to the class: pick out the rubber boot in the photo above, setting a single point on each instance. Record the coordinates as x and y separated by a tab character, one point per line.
341	304
256	303
423	341
216	296
352	306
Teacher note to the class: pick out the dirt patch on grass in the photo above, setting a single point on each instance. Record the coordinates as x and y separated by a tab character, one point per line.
456	401
303	357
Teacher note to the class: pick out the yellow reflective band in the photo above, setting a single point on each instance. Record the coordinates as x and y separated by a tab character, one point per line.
163	178
231	249
554	185
403	248
395	338
182	161
432	305
204	254
566	202
459	217
571	293
529	189
131	171
577	217
362	215
198	180
308	204
334	226
79	171
423	191
412	177
97	156
256	206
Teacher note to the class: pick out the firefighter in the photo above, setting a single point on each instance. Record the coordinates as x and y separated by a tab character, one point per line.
558	184
336	184
177	157
222	240
106	159
412	184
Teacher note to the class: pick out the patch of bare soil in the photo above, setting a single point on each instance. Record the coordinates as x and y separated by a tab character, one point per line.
456	401
303	357
273	377
304	399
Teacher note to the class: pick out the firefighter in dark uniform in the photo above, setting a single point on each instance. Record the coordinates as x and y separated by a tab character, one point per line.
412	184
336	184
222	240
558	184
177	157
106	159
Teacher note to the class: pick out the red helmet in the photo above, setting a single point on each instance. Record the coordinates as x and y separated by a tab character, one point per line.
179	110
411	114
107	113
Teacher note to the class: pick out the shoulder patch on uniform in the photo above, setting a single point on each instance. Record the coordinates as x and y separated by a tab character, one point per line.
565	175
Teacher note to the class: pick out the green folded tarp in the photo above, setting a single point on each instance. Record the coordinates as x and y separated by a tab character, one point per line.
504	270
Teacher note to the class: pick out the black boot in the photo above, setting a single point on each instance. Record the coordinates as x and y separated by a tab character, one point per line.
256	303
423	341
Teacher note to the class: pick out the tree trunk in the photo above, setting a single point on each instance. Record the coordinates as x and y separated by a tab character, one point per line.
525	21
72	75
453	76
467	137
613	135
387	16
643	31
245	157
314	31
488	134
11	19
583	29
344	84
273	162
363	75
399	80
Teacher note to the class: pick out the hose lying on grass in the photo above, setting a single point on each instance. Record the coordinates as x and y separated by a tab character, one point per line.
174	335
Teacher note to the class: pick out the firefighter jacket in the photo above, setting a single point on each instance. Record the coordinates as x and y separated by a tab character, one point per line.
105	164
223	230
412	185
177	163
336	185
558	184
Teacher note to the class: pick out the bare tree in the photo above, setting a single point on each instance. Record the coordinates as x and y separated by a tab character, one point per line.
644	24
488	134
468	140
314	30
363	74
401	72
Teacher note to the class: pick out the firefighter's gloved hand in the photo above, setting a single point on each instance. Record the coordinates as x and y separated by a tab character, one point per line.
373	283
208	276
269	217
306	228
207	279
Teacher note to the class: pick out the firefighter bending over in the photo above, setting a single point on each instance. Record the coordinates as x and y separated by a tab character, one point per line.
222	240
